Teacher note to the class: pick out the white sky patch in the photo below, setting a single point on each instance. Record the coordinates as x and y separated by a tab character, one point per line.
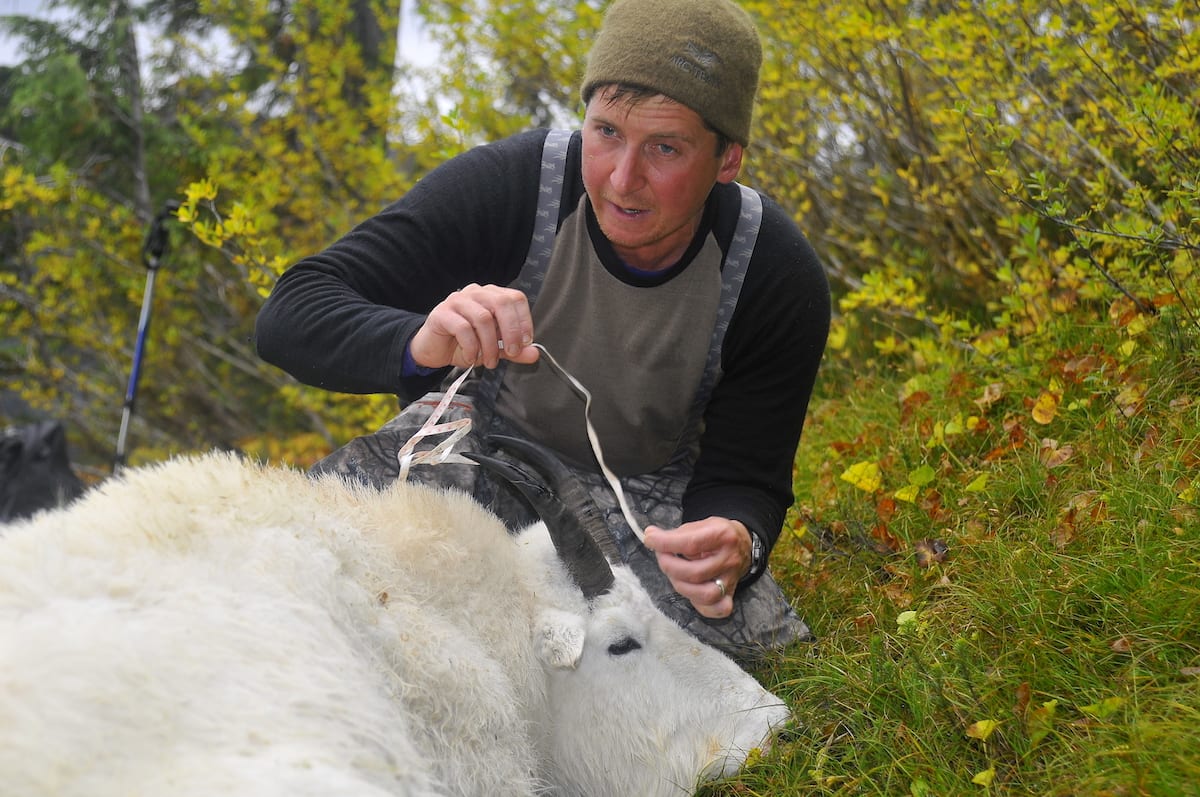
9	52
414	47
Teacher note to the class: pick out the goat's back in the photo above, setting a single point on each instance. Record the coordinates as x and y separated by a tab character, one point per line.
213	626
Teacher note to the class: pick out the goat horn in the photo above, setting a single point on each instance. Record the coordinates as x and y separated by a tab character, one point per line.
563	504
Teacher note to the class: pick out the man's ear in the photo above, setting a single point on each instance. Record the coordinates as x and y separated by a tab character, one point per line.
559	639
731	163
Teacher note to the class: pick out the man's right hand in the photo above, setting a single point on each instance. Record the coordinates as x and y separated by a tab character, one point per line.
476	325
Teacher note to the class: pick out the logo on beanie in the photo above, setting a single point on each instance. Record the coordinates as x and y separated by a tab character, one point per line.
699	62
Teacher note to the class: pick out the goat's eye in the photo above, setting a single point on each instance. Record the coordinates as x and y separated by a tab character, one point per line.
626	645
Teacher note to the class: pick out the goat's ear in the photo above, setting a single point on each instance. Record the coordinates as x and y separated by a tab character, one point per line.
559	638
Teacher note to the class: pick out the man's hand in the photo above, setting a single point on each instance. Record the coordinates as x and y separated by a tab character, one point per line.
695	555
477	325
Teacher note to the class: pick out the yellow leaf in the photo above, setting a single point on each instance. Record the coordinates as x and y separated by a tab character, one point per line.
864	476
908	493
202	189
1046	407
838	334
939	435
982	729
1105	708
985	777
978	484
1040	722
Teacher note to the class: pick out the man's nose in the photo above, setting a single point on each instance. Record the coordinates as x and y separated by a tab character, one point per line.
626	175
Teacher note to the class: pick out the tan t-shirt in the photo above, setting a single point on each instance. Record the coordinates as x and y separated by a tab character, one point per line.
640	351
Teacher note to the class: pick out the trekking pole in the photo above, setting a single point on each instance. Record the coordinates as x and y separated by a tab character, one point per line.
152	252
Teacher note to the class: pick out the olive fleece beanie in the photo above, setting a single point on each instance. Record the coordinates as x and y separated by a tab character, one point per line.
702	53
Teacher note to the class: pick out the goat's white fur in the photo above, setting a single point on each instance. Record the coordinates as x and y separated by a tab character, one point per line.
214	627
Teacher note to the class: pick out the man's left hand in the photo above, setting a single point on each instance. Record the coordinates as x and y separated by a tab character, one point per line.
704	561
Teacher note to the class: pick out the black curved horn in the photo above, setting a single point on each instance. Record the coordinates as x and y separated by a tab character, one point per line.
564	506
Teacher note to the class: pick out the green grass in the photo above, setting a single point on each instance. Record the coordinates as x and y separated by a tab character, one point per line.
1066	612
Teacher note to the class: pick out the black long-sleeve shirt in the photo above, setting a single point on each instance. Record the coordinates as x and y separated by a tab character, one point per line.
341	319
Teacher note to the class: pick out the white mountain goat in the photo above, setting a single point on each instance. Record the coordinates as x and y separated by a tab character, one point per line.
214	627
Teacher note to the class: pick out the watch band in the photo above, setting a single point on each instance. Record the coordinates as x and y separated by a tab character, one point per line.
758	557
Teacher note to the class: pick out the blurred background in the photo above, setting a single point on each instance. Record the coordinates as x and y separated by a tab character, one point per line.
968	171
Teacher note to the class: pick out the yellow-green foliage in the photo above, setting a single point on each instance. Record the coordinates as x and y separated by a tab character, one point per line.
273	150
969	167
968	171
64	292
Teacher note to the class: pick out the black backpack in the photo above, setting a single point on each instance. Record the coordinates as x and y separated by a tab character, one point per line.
35	471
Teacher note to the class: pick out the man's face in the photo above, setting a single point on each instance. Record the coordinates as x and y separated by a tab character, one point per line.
648	168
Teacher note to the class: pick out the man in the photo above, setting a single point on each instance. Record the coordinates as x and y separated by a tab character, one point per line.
692	309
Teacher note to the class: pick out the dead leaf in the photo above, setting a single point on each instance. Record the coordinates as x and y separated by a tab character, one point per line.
1052	455
1091	501
975	530
1123	311
1024	694
980	426
1121	645
912	403
897	592
999	452
1150	443
925	428
1063	535
1131	400
864	621
882	533
1079	368
1180	403
991	394
1083	510
930	552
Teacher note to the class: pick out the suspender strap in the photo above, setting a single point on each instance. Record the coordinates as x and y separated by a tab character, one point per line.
545	224
733	275
541	243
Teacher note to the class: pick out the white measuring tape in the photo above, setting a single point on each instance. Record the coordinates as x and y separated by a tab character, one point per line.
443	451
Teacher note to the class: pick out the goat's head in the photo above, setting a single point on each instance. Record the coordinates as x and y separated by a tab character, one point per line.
638	705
